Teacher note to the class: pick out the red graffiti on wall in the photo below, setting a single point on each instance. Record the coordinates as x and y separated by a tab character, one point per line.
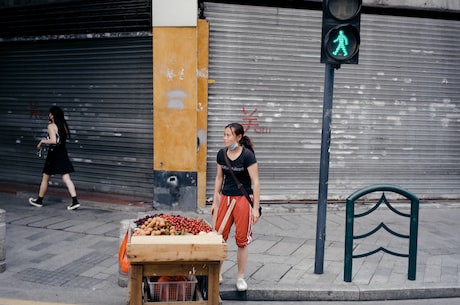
35	112
251	121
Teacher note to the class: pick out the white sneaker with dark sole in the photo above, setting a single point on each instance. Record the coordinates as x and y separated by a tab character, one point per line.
35	203
73	206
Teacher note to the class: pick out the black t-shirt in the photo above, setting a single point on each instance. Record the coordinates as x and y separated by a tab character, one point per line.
240	168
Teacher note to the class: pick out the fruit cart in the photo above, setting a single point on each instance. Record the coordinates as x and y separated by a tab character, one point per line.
181	255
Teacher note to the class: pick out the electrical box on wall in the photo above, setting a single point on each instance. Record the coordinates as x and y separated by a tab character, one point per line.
170	13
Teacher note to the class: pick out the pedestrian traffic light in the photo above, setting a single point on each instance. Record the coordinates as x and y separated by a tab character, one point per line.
340	34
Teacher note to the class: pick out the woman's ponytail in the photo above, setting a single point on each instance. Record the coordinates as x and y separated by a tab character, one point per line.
247	142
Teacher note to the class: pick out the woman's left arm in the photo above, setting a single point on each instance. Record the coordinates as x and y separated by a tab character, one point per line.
254	174
52	131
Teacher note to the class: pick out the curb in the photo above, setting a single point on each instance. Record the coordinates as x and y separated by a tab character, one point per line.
352	293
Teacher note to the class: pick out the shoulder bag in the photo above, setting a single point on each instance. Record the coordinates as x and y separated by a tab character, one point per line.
238	183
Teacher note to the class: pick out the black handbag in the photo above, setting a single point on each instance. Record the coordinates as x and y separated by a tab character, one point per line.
53	147
238	183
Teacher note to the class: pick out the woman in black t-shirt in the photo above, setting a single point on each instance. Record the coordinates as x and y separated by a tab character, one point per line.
230	205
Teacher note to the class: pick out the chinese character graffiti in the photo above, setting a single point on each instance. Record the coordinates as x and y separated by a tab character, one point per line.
250	122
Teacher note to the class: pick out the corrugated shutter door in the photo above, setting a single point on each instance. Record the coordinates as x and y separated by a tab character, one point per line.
105	90
395	116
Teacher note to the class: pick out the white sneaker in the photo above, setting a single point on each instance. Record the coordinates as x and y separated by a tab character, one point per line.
220	278
241	285
73	206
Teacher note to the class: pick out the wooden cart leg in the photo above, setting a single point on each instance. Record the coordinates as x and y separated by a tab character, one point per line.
135	285
213	283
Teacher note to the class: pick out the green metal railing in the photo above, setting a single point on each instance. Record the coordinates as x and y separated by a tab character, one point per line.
349	234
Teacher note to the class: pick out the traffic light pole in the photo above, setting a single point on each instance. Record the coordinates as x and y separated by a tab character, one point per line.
324	166
340	41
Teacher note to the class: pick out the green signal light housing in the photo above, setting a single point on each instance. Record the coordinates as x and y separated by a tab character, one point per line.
340	37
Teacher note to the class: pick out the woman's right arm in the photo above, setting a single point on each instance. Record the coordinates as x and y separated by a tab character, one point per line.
217	191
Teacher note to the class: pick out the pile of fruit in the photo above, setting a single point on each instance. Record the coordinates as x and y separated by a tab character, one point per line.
165	224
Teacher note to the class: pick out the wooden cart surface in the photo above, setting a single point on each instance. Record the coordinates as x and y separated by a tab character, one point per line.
175	255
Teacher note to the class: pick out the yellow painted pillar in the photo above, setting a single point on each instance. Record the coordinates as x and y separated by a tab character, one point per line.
174	98
179	105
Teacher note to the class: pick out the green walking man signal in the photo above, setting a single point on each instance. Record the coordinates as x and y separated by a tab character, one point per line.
342	42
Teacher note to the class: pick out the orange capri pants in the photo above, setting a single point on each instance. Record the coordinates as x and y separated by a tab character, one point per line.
241	216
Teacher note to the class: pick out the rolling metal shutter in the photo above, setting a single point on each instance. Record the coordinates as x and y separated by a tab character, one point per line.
396	115
105	89
66	17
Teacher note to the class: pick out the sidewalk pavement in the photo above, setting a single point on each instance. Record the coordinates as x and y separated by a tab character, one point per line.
71	257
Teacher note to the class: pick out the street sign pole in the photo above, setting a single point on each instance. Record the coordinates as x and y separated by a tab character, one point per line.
324	167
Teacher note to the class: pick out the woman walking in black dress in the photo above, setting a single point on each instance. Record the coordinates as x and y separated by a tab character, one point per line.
57	161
